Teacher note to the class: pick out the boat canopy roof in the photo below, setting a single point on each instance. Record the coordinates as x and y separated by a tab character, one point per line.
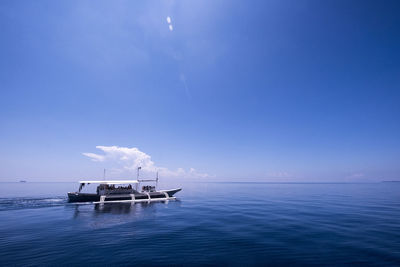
111	182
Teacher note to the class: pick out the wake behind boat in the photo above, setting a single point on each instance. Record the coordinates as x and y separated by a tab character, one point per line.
112	191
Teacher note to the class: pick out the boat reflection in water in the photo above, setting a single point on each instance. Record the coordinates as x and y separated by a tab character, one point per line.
121	208
110	214
115	208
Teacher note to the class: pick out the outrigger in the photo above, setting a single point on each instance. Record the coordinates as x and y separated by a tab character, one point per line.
113	191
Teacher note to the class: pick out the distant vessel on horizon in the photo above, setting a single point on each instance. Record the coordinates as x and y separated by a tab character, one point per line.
22	181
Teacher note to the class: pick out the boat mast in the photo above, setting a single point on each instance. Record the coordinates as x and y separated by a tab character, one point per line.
157	180
138	177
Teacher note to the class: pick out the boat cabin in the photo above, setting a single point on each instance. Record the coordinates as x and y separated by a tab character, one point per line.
111	187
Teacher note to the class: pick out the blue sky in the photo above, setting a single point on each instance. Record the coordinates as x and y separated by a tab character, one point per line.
259	90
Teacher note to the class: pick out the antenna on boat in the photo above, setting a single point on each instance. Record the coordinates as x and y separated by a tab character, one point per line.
138	172
104	175
157	180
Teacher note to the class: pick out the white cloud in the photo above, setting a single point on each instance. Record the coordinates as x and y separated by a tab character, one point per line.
169	20
129	159
94	157
171	28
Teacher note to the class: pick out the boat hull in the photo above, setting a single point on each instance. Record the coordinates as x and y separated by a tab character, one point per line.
76	197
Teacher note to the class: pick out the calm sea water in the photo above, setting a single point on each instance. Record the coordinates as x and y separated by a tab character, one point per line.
211	224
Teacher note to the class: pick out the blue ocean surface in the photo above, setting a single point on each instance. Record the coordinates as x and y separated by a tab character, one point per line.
211	223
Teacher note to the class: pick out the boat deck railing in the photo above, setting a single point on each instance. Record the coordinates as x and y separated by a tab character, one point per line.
143	197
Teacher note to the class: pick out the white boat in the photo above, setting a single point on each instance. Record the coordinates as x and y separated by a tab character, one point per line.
111	191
